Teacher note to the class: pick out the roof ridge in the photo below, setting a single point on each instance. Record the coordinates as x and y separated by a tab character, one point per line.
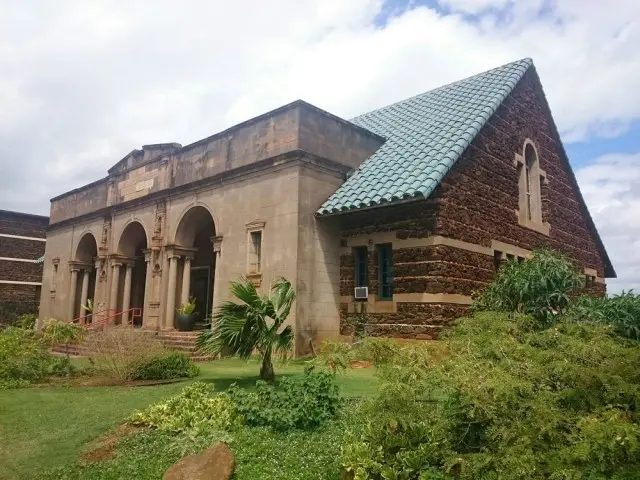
526	60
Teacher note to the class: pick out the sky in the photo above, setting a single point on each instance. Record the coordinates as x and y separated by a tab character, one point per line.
82	83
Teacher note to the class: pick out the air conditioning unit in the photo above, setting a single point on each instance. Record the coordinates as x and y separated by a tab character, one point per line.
361	293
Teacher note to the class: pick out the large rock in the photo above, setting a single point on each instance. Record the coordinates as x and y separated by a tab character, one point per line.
214	463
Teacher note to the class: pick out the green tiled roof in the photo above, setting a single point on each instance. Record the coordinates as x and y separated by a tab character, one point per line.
425	136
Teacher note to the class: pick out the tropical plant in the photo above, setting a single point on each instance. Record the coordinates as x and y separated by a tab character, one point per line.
294	403
254	325
508	400
26	321
195	408
167	366
622	311
540	286
187	308
58	332
23	357
88	307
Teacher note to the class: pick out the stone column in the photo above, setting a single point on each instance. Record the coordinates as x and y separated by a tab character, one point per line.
217	251
115	283
96	288
85	292
171	291
72	292
126	298
148	286
186	280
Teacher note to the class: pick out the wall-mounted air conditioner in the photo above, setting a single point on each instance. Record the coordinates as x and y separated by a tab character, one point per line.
361	293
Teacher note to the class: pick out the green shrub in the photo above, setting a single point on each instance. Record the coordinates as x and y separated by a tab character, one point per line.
167	366
197	408
26	321
334	355
299	402
60	332
23	356
379	351
622	311
62	367
539	286
508	401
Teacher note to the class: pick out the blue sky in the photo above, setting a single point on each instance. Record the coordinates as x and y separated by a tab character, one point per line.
84	83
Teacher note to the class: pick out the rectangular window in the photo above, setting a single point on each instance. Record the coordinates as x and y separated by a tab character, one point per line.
385	269
255	252
54	278
510	257
360	256
497	260
590	281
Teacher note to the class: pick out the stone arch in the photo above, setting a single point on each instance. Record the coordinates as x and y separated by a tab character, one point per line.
129	289
192	216
195	270
87	248
132	235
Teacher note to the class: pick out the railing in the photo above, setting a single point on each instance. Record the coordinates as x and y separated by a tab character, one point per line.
107	317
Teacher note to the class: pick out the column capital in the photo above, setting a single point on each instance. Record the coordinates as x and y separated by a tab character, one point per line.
121	260
76	265
180	251
148	255
217	243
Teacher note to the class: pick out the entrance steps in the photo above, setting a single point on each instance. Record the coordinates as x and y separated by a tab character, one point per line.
184	342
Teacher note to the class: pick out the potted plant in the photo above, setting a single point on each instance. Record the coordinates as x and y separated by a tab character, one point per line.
186	315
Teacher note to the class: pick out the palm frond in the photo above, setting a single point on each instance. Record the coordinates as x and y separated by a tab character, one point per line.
282	297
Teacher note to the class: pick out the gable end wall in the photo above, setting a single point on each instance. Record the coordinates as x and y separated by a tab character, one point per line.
443	247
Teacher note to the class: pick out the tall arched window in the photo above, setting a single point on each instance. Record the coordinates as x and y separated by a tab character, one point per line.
530	178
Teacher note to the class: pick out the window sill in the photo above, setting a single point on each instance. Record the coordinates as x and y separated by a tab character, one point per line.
543	228
255	278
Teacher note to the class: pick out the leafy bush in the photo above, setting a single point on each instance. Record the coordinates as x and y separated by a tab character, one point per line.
334	355
167	366
117	352
539	286
62	367
26	321
23	357
508	401
58	332
193	410
299	402
379	351
622	311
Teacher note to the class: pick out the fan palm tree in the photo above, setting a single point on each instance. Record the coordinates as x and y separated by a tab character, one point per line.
254	324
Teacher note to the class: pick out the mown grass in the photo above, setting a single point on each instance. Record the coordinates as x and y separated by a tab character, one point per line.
42	428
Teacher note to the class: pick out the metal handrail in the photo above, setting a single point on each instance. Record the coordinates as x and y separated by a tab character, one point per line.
134	313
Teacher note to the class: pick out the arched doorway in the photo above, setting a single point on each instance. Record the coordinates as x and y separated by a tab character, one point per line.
84	284
195	234
132	275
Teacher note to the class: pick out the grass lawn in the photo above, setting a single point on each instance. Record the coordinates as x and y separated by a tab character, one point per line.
49	426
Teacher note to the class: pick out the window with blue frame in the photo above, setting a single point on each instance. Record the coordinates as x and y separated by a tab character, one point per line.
385	271
360	255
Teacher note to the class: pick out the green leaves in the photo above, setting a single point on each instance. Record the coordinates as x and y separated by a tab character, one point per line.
300	403
622	311
166	366
254	324
194	409
513	402
539	286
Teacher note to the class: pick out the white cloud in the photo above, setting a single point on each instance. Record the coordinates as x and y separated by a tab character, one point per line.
83	83
611	187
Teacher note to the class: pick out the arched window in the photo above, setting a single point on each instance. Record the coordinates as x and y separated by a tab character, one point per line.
531	177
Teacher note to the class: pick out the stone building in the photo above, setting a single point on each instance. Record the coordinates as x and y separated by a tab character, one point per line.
22	243
418	201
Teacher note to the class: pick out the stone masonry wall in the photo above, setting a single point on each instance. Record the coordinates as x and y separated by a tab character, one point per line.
479	197
476	203
18	298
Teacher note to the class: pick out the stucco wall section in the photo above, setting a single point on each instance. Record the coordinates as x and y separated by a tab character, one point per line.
318	266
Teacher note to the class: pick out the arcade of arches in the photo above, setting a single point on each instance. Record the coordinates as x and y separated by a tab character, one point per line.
190	263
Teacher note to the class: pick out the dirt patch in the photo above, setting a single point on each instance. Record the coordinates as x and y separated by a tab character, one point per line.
360	364
95	381
103	448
